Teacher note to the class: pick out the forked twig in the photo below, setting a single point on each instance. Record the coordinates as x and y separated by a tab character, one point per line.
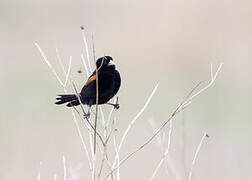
166	151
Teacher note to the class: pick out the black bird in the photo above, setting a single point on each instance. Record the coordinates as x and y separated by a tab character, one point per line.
109	82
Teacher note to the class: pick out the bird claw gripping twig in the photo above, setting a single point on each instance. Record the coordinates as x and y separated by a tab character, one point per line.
86	115
116	106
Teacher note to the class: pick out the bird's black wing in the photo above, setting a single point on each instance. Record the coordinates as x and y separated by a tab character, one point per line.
105	80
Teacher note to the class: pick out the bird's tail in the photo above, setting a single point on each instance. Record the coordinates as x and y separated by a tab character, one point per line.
71	99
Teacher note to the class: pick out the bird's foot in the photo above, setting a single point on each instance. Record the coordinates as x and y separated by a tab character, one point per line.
87	115
116	106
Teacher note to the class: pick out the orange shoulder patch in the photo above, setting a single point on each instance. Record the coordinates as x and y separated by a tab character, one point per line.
91	79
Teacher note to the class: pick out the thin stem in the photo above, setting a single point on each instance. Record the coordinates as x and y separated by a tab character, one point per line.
166	151
64	167
82	140
196	154
118	160
60	61
157	168
40	164
49	64
103	160
78	97
109	117
169	137
97	93
55	176
86	48
103	121
136	117
85	65
68	71
133	121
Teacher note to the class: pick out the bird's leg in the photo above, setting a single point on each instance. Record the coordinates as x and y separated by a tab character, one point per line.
87	115
116	106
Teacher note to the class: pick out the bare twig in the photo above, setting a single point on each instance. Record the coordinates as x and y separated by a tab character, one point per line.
136	117
180	106
97	93
196	154
105	155
68	71
40	164
78	97
158	167
64	167
55	176
60	61
48	63
169	137
86	47
133	121
166	151
111	131
211	71
103	160
183	147
92	155
118	160
85	65
170	163
103	121
82	140
102	163
109	117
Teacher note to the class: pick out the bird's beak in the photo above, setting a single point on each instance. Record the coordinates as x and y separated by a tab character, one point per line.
111	63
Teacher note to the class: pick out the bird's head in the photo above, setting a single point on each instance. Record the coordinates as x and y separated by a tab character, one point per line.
105	62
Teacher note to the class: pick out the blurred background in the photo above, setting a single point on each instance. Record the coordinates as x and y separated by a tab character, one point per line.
171	42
